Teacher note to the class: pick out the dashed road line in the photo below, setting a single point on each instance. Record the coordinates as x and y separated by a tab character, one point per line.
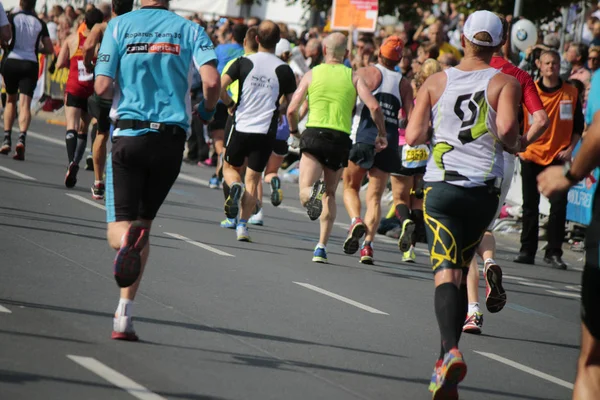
17	174
86	201
5	310
116	378
533	284
192	179
527	369
341	298
565	294
45	138
198	244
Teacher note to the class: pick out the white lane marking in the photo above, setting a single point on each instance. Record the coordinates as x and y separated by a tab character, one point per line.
566	294
576	288
527	369
513	277
538	285
45	138
86	201
116	378
5	310
193	179
198	244
291	209
18	174
341	298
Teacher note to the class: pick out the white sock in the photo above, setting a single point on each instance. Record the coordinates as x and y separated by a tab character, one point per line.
473	307
320	246
353	221
124	308
98	182
489	261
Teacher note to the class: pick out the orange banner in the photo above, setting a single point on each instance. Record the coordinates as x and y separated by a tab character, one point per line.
360	13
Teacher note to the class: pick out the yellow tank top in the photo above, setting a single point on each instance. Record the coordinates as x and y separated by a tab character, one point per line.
331	98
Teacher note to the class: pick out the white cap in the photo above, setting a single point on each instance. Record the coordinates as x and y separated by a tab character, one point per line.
283	46
483	21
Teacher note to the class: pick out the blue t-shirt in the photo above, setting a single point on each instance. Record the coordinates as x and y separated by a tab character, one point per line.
150	53
227	52
593	103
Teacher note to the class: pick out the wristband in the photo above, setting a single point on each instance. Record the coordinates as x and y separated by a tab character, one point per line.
574	180
231	105
293	132
205	114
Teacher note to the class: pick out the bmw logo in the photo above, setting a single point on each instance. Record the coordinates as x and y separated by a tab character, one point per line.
522	35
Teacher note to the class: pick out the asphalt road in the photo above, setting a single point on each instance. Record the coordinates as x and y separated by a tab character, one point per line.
219	319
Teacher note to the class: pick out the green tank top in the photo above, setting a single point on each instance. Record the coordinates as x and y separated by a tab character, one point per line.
331	98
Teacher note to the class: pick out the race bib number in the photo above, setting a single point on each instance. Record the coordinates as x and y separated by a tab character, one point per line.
415	157
84	76
566	110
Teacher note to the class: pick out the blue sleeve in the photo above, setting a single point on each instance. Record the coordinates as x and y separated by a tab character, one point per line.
593	104
108	56
204	51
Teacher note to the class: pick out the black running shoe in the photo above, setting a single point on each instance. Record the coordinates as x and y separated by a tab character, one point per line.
98	191
276	192
20	149
6	145
89	163
71	176
314	206
128	262
232	204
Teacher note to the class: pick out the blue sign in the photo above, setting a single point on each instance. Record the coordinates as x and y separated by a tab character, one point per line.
581	197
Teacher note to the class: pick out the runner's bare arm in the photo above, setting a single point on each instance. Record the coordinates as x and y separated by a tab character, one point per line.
63	55
417	131
406	95
297	99
371	102
507	118
91	44
211	84
539	126
226	80
48	46
5	34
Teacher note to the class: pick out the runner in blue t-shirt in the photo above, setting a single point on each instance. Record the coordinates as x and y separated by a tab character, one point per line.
558	179
149	55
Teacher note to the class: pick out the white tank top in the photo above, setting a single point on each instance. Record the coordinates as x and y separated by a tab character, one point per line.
387	94
466	151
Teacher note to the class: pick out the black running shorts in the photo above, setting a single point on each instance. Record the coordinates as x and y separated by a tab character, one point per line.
94	110
403	169
330	147
77	102
228	129
220	119
255	147
20	76
140	173
590	282
456	218
280	148
364	155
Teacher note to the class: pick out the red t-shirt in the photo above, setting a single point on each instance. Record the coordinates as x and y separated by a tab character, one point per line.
530	96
